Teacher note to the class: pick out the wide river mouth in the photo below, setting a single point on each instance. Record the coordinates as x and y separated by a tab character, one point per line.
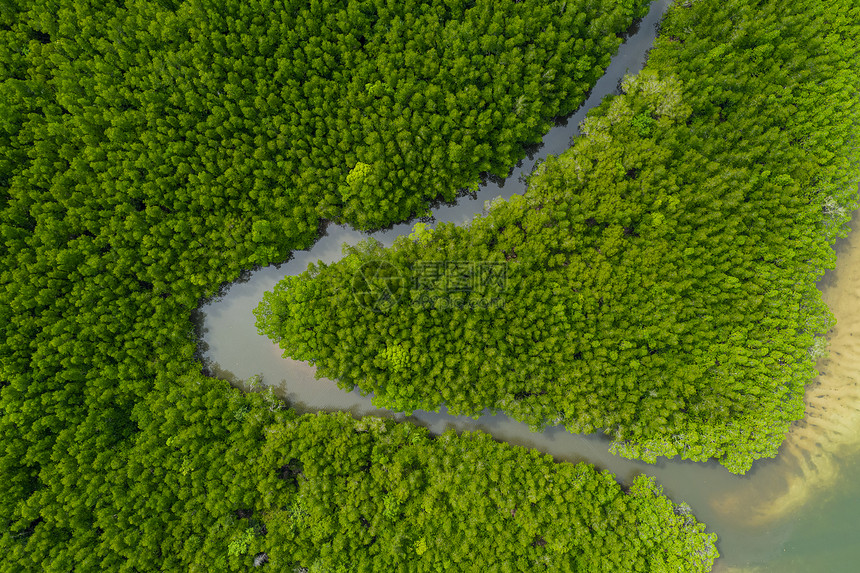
798	513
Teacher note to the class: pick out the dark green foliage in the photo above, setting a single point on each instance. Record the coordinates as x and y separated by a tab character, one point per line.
660	275
242	108
151	151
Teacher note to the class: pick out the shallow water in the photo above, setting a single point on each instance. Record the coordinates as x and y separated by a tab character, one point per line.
798	512
811	488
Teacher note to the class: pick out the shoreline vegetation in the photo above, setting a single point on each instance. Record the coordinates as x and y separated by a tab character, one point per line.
830	431
385	494
666	263
152	151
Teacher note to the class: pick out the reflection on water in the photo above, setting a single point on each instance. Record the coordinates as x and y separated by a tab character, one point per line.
763	518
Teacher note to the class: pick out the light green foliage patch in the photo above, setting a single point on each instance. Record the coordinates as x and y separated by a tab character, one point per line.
395	357
239	546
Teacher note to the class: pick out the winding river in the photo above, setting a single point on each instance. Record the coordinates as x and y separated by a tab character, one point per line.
797	513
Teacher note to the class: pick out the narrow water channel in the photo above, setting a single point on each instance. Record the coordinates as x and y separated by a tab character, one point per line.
798	512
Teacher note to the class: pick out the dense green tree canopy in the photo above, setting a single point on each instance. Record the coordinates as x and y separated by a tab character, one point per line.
151	151
273	106
372	495
656	281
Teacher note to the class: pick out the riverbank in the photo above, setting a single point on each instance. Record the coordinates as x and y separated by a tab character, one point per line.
808	460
